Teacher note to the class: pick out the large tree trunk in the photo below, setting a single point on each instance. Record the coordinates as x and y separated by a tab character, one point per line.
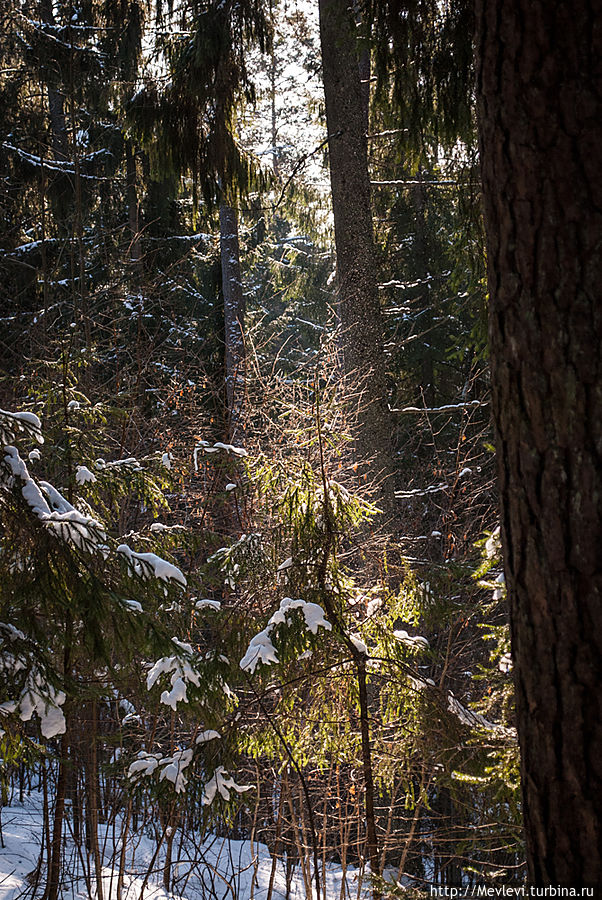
540	106
359	308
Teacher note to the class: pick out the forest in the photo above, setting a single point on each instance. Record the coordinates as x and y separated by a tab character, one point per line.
301	449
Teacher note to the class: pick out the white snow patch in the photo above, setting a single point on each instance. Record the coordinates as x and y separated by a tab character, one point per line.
415	642
84	475
243	867
148	564
207	604
261	649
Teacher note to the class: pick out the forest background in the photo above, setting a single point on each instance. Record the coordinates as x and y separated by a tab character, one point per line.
251	580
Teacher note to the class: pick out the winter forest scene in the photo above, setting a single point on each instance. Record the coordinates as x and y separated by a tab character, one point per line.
301	449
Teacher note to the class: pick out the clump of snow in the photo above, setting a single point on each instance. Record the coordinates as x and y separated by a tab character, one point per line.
207	604
373	606
170	768
84	475
262	650
222	784
415	642
166	460
359	644
176	695
231	486
206	736
312	613
129	462
230	449
40	697
181	672
160	528
53	510
146	764
11	424
133	605
505	664
498	591
131	718
476	720
420	684
174	767
493	545
13	634
147	565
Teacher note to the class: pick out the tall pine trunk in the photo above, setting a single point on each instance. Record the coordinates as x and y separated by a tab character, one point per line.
540	105
359	308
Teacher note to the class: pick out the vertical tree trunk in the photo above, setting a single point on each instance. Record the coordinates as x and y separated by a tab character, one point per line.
56	101
540	106
421	263
93	795
371	838
359	307
54	871
234	321
364	63
132	203
273	94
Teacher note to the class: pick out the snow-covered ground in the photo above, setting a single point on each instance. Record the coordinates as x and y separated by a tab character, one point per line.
215	868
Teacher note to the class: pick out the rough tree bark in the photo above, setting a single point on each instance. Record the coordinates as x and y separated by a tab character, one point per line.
359	307
539	71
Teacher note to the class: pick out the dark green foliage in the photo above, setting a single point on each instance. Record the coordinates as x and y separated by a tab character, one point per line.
423	52
191	122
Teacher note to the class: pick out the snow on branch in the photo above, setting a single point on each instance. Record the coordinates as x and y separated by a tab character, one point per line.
421	492
182	671
465	716
51	508
476	720
53	165
222	784
36	695
261	649
147	565
448	407
11	424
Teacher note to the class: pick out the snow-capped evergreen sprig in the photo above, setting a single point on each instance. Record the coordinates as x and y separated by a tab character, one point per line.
72	596
20	424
